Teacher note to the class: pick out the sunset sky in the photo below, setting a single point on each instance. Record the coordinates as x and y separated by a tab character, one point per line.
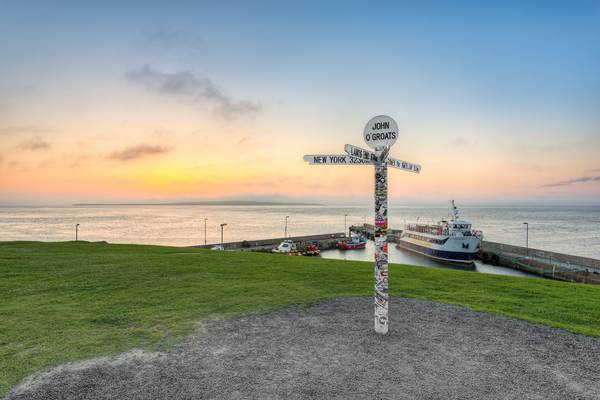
140	101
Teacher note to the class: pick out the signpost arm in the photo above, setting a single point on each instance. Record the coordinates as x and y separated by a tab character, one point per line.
381	295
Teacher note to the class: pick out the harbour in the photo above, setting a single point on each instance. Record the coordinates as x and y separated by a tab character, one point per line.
300	200
493	258
564	253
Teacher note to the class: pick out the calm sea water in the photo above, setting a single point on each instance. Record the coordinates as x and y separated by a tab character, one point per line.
572	230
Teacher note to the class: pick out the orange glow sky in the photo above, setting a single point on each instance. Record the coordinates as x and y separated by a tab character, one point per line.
182	110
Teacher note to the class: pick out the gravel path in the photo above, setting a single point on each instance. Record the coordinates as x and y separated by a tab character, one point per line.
433	351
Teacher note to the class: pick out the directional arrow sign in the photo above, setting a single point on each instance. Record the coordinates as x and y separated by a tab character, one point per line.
363	154
360	153
334	159
392	162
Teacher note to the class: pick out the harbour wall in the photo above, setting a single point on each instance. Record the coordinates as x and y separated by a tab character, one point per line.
549	264
326	241
367	230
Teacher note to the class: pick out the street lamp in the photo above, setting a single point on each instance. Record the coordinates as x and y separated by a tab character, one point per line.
286	223
77	232
345	217
222	225
526	238
205	219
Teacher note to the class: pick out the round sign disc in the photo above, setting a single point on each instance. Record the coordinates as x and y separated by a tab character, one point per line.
380	132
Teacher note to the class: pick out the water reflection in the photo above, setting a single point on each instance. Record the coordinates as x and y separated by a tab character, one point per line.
400	256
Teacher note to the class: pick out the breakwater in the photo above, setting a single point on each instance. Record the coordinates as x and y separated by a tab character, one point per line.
367	230
549	264
326	241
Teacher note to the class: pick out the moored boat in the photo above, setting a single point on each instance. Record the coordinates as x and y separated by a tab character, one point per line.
450	240
354	243
312	250
285	247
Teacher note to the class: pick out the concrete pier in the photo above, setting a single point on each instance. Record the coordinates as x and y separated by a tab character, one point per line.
368	229
549	264
326	241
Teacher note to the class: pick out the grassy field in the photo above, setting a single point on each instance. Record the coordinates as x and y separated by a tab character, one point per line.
67	301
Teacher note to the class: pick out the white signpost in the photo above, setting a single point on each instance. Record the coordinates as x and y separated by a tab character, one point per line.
371	156
333	159
380	134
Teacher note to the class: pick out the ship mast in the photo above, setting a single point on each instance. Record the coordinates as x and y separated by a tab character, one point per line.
454	211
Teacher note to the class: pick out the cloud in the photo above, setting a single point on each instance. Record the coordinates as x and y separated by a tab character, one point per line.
186	85
24	129
134	152
568	182
34	144
78	160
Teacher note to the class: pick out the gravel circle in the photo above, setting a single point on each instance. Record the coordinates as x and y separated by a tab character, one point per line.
329	351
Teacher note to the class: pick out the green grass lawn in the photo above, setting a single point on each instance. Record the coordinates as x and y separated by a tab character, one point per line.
67	301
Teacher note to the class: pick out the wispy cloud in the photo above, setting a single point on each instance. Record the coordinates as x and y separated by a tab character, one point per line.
568	182
34	144
134	152
187	85
24	129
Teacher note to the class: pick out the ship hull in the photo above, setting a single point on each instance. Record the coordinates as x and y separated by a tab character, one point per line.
459	257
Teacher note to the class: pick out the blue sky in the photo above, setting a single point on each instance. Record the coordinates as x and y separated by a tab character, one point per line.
502	83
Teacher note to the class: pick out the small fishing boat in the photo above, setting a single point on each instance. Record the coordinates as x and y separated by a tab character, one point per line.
355	243
312	250
285	247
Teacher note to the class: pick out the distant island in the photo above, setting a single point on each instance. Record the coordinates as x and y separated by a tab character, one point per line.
202	203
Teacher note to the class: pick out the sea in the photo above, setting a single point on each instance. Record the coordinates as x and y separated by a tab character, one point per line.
565	229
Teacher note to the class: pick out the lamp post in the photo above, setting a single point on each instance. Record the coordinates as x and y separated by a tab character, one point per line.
285	230
205	219
345	218
222	225
77	232
526	237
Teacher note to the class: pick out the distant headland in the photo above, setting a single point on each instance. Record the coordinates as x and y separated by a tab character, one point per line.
202	203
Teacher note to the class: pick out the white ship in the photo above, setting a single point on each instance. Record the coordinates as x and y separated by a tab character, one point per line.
450	240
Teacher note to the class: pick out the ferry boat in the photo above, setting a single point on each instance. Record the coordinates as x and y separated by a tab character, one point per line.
450	240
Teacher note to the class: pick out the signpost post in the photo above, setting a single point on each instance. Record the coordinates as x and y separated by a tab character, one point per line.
380	133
